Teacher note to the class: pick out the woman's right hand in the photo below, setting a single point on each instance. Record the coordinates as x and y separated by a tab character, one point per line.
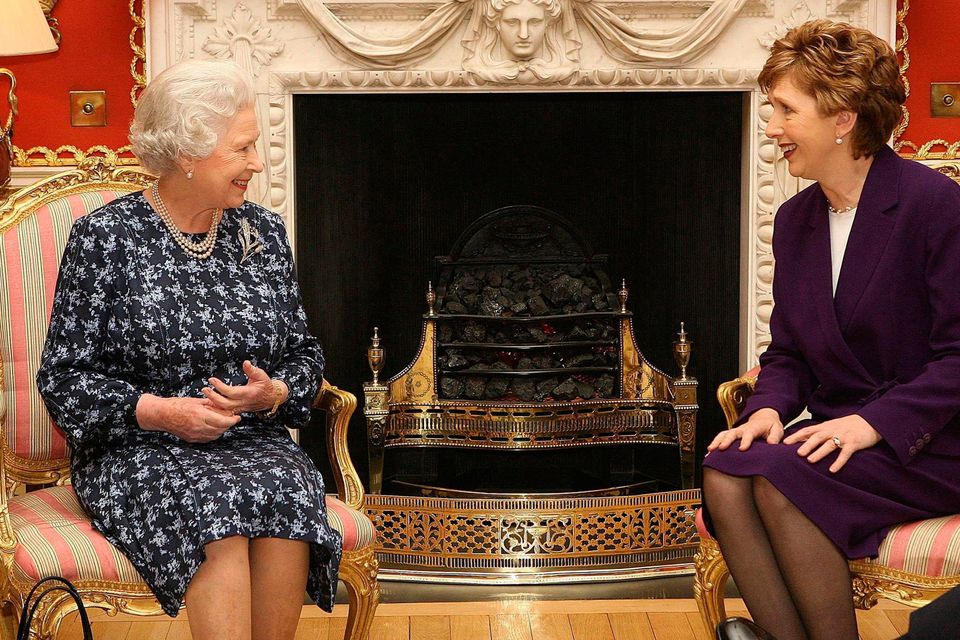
190	419
763	423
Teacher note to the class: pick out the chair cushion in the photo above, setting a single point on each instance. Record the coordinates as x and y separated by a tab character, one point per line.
355	527
56	538
29	263
926	547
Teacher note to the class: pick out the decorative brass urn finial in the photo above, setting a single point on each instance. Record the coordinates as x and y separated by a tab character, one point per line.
681	351
622	295
375	356
431	299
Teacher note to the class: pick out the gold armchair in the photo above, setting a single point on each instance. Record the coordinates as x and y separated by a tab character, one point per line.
45	531
918	561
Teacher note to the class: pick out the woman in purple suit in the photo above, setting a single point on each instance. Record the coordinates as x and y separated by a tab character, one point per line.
865	335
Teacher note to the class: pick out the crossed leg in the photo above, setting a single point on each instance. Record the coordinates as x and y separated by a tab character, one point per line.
794	580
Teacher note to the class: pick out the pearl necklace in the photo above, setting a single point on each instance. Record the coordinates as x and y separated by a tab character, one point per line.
199	250
840	212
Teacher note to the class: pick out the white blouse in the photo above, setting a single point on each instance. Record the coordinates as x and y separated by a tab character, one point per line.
840	225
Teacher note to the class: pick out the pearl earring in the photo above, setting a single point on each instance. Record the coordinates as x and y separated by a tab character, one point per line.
839	140
190	173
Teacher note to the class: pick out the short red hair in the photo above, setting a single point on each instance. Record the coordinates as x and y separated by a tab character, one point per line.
845	68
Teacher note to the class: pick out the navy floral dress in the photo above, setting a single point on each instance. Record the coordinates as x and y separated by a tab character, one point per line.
134	314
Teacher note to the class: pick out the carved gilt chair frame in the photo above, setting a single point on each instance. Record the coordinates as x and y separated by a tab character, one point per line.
871	580
358	568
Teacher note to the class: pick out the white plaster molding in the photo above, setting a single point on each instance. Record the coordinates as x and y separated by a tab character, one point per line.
369	10
459	80
760	251
243	38
280	150
800	14
186	13
854	11
679	9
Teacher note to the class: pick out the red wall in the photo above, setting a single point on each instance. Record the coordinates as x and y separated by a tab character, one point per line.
932	27
95	54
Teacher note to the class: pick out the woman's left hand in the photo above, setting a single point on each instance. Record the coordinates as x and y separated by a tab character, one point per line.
819	440
256	395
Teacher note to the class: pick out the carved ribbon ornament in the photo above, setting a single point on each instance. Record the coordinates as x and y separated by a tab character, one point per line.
620	39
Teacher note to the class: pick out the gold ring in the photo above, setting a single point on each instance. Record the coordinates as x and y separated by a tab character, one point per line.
836	441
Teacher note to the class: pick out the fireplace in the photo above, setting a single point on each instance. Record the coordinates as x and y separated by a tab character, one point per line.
387	182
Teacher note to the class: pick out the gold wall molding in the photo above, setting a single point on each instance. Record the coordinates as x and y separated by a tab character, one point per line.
938	149
69	155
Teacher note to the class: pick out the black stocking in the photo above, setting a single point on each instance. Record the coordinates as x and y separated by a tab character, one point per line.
815	571
749	555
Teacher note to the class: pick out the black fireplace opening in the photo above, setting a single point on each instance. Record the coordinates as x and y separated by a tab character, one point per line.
386	182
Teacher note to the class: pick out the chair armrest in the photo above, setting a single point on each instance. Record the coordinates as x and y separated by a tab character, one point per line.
733	395
339	405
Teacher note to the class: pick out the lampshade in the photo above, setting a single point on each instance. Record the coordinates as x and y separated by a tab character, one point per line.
24	29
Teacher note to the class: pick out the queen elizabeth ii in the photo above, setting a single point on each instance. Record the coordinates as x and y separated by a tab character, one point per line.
178	353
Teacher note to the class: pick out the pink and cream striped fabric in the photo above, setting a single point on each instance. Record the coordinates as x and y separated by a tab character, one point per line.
29	262
927	547
354	526
56	538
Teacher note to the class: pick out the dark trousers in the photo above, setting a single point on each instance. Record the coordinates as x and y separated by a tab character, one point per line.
939	620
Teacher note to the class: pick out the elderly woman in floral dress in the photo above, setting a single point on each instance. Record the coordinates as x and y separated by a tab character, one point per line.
178	352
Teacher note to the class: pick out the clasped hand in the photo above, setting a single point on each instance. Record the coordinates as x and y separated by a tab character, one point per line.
205	419
853	432
256	395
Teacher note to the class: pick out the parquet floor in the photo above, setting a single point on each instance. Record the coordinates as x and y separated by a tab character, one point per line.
515	619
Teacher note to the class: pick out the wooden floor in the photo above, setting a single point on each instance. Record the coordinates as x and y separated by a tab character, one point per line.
503	620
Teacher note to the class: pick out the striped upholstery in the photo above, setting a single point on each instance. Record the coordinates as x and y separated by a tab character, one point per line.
356	528
29	262
55	538
927	547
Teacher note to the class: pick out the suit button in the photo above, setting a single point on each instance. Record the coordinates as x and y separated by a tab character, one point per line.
926	437
919	443
913	451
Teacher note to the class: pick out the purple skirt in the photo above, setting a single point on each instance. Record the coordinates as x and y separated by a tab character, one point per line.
856	506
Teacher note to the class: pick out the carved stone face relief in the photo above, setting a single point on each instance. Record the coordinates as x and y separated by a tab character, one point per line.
520	41
522	26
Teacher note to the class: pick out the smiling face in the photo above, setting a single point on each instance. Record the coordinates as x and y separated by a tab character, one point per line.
522	26
806	137
221	178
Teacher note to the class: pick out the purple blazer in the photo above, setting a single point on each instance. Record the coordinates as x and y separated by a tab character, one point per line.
887	347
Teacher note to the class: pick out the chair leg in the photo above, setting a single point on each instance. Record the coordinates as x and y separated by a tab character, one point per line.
8	621
49	615
358	570
709	583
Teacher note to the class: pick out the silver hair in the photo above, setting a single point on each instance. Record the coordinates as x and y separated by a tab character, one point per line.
183	111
